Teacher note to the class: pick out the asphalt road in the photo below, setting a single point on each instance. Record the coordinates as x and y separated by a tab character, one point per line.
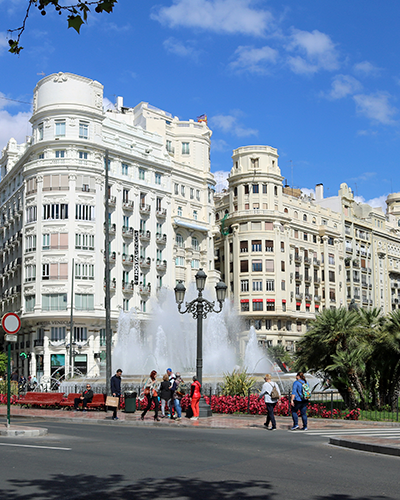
93	461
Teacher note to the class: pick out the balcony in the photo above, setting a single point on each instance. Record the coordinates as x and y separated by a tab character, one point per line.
316	262
127	287
356	263
298	277
297	257
299	296
161	239
308	278
112	201
161	213
112	256
113	285
307	261
111	228
308	296
38	343
364	284
144	209
161	266
127	260
356	280
145	263
127	205
144	236
317	298
145	290
127	232
317	280
332	299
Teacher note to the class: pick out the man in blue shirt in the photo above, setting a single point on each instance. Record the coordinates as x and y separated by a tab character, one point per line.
298	402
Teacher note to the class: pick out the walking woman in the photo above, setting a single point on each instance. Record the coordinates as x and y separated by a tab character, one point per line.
298	402
270	391
151	393
165	394
195	394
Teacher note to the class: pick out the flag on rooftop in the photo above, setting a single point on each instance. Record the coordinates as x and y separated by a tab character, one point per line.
202	118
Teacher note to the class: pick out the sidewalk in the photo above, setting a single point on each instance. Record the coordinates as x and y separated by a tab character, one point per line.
220	421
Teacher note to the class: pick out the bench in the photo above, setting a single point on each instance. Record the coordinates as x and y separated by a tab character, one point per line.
42	399
69	401
98	401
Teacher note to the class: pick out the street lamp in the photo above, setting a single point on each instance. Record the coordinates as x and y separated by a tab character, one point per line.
199	308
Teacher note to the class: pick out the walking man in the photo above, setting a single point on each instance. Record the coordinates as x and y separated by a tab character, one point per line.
116	390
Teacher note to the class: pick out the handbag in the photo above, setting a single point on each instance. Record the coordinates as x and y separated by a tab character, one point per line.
112	401
146	391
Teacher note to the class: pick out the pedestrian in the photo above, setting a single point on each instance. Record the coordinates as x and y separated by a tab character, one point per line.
172	387
85	398
270	391
116	390
298	402
178	395
152	396
195	394
164	393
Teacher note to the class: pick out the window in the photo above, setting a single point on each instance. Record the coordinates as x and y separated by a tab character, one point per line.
244	305
55	241
125	168
256	246
198	194
257	304
244	266
84	271
256	266
246	189
254	162
176	188
332	276
40	132
185	148
195	244
244	285
282	265
84	241
60	153
83	155
269	226
169	147
83	130
195	264
84	212
55	211
31	186
289	326
80	333
142	174
54	302
258	324
30	243
283	285
30	302
264	189
125	305
57	182
60	128
257	286
180	261
57	333
269	266
244	246
331	259
31	214
270	285
179	240
84	301
157	178
179	211
255	188
304	217
30	272
183	190
269	246
102	337
191	193
283	305
143	306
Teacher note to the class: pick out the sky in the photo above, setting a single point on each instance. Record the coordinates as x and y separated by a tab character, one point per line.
318	80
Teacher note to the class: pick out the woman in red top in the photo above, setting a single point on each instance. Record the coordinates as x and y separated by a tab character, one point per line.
195	394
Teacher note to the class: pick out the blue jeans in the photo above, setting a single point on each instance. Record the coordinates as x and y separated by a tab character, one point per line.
302	406
178	408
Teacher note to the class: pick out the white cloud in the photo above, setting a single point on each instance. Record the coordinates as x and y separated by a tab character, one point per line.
308	192
365	68
3	43
230	124
107	104
379	202
221	16
342	86
219	145
174	46
221	179
376	107
316	52
254	60
16	126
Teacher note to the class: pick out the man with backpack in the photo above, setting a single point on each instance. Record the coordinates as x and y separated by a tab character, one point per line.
270	391
300	395
180	392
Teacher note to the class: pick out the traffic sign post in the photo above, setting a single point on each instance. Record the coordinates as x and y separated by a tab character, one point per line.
11	324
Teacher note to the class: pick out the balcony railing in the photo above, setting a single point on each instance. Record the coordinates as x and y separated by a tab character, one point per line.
299	296
316	262
144	209
112	200
111	228
161	265
127	286
161	239
127	205
145	289
145	263
307	260
127	259
144	235
127	232
161	213
113	284
298	257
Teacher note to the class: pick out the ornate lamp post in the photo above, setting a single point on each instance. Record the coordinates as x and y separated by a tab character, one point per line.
199	308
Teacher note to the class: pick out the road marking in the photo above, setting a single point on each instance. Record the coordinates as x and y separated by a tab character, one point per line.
389	433
34	446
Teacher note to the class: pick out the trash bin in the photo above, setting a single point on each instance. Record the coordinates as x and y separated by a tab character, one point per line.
130	401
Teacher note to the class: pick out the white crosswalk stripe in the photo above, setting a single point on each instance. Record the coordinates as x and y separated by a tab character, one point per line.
391	433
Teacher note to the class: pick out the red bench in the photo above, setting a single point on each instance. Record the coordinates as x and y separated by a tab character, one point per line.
98	401
69	402
42	399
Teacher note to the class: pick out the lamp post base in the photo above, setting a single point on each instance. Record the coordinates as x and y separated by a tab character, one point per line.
204	408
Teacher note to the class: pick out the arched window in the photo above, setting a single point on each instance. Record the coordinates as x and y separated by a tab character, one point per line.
217	216
305	218
286	211
276	190
180	211
195	243
295	215
314	220
179	240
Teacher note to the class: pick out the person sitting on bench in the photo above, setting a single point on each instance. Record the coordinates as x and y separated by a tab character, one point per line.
86	398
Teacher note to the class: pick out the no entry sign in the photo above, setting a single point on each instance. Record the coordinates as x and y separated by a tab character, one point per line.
11	323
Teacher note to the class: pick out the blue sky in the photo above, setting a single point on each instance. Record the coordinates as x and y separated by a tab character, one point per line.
319	81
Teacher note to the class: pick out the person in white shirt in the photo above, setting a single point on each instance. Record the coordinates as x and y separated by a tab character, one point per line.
268	390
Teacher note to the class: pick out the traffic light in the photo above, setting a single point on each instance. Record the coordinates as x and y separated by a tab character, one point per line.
23	355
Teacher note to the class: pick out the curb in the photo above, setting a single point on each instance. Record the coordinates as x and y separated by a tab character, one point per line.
19	431
369	447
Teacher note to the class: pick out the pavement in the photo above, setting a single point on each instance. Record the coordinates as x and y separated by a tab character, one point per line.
376	437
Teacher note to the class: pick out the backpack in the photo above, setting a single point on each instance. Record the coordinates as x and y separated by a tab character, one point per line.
306	391
181	389
274	393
